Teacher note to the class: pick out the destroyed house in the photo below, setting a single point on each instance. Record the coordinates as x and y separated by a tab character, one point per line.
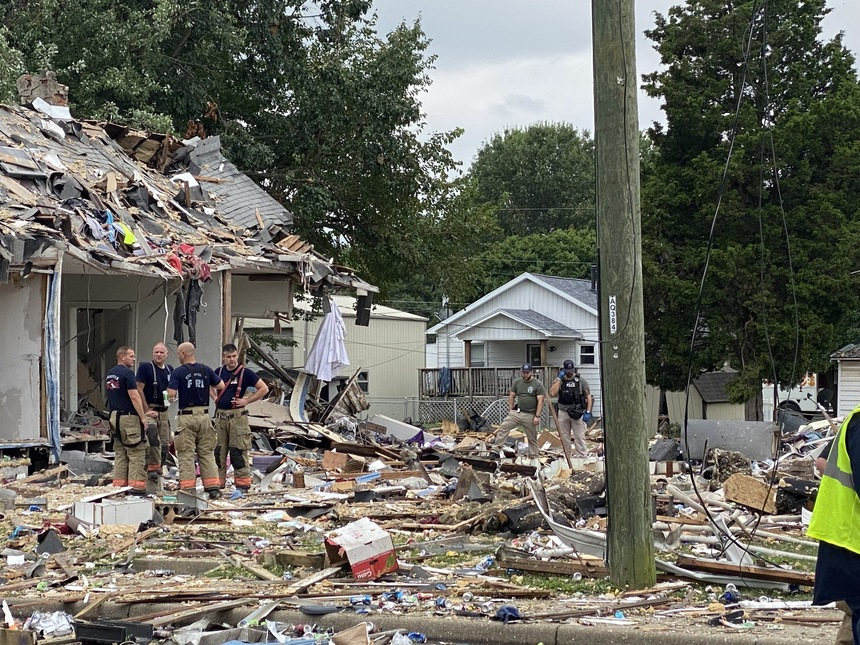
112	237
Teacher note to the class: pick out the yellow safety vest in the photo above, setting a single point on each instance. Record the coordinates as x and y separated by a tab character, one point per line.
836	517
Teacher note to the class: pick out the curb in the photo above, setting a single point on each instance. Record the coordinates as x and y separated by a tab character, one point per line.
465	630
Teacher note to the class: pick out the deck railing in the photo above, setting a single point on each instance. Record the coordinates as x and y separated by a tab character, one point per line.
476	381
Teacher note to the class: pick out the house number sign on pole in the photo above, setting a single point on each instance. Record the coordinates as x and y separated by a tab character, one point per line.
613	315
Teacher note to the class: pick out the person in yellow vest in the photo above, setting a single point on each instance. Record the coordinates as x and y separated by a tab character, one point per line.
836	525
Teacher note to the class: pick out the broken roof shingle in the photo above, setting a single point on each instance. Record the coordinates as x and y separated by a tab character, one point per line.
87	188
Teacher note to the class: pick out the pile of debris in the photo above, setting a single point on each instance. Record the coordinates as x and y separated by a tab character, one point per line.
385	518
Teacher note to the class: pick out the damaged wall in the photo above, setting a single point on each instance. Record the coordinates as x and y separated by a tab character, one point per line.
20	382
252	299
145	322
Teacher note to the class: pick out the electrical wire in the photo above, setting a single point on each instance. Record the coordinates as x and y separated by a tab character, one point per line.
749	35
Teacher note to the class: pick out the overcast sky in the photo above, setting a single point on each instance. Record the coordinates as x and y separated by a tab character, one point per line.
505	63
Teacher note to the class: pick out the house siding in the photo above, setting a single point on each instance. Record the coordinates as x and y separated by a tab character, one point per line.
390	350
21	327
849	387
528	295
447	351
725	411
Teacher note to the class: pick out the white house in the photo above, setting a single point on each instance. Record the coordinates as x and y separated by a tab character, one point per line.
537	319
388	353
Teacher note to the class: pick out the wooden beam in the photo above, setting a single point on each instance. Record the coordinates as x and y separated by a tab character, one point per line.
226	307
771	574
563	568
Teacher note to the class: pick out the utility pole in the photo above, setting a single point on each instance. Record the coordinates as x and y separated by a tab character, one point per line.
622	326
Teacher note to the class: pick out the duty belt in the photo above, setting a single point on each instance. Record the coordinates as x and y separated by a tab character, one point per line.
195	409
120	413
227	414
158	408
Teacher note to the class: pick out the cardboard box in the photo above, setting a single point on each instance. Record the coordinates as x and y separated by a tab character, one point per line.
366	546
343	462
110	511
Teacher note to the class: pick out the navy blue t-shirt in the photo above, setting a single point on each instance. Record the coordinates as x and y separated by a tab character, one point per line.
153	384
117	384
191	381
232	380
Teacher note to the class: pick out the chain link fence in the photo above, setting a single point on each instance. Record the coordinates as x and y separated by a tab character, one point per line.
434	411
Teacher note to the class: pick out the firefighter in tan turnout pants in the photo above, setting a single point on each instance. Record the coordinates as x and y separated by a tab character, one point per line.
195	434
231	418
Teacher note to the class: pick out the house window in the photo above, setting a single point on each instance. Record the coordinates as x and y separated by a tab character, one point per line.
362	381
586	355
479	355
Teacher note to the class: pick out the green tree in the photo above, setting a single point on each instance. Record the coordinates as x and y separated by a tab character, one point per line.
763	85
567	253
542	176
451	262
308	98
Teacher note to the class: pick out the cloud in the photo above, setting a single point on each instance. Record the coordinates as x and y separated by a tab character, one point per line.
504	64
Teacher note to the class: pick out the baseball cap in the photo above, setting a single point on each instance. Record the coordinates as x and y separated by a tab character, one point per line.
526	368
568	364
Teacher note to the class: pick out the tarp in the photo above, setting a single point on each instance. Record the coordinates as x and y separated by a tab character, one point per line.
328	352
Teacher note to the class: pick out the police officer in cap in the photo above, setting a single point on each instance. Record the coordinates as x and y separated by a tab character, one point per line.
574	407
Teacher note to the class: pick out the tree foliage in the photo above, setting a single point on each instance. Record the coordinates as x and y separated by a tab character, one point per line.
567	253
307	97
754	79
542	176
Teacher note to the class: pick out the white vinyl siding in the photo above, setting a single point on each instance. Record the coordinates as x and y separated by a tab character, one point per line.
848	391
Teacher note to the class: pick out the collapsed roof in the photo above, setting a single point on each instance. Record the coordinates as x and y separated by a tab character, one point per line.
124	201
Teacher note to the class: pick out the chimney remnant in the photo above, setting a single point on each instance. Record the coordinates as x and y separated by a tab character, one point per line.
44	86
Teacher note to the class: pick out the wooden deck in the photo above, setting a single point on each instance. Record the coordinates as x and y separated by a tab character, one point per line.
477	381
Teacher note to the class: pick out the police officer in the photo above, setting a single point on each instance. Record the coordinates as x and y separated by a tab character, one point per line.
231	417
152	378
128	418
525	405
195	434
574	407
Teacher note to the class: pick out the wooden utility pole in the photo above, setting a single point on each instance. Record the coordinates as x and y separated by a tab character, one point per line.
622	327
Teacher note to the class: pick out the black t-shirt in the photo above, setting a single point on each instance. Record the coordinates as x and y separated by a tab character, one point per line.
241	376
118	382
191	381
155	380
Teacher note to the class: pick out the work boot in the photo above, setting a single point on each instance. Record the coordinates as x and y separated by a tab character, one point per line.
215	494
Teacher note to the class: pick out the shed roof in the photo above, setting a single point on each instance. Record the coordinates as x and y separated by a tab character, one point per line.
712	385
849	352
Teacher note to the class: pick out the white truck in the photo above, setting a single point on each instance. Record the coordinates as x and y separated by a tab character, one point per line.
802	399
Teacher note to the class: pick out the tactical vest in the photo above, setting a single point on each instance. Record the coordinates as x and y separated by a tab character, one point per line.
836	516
570	392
